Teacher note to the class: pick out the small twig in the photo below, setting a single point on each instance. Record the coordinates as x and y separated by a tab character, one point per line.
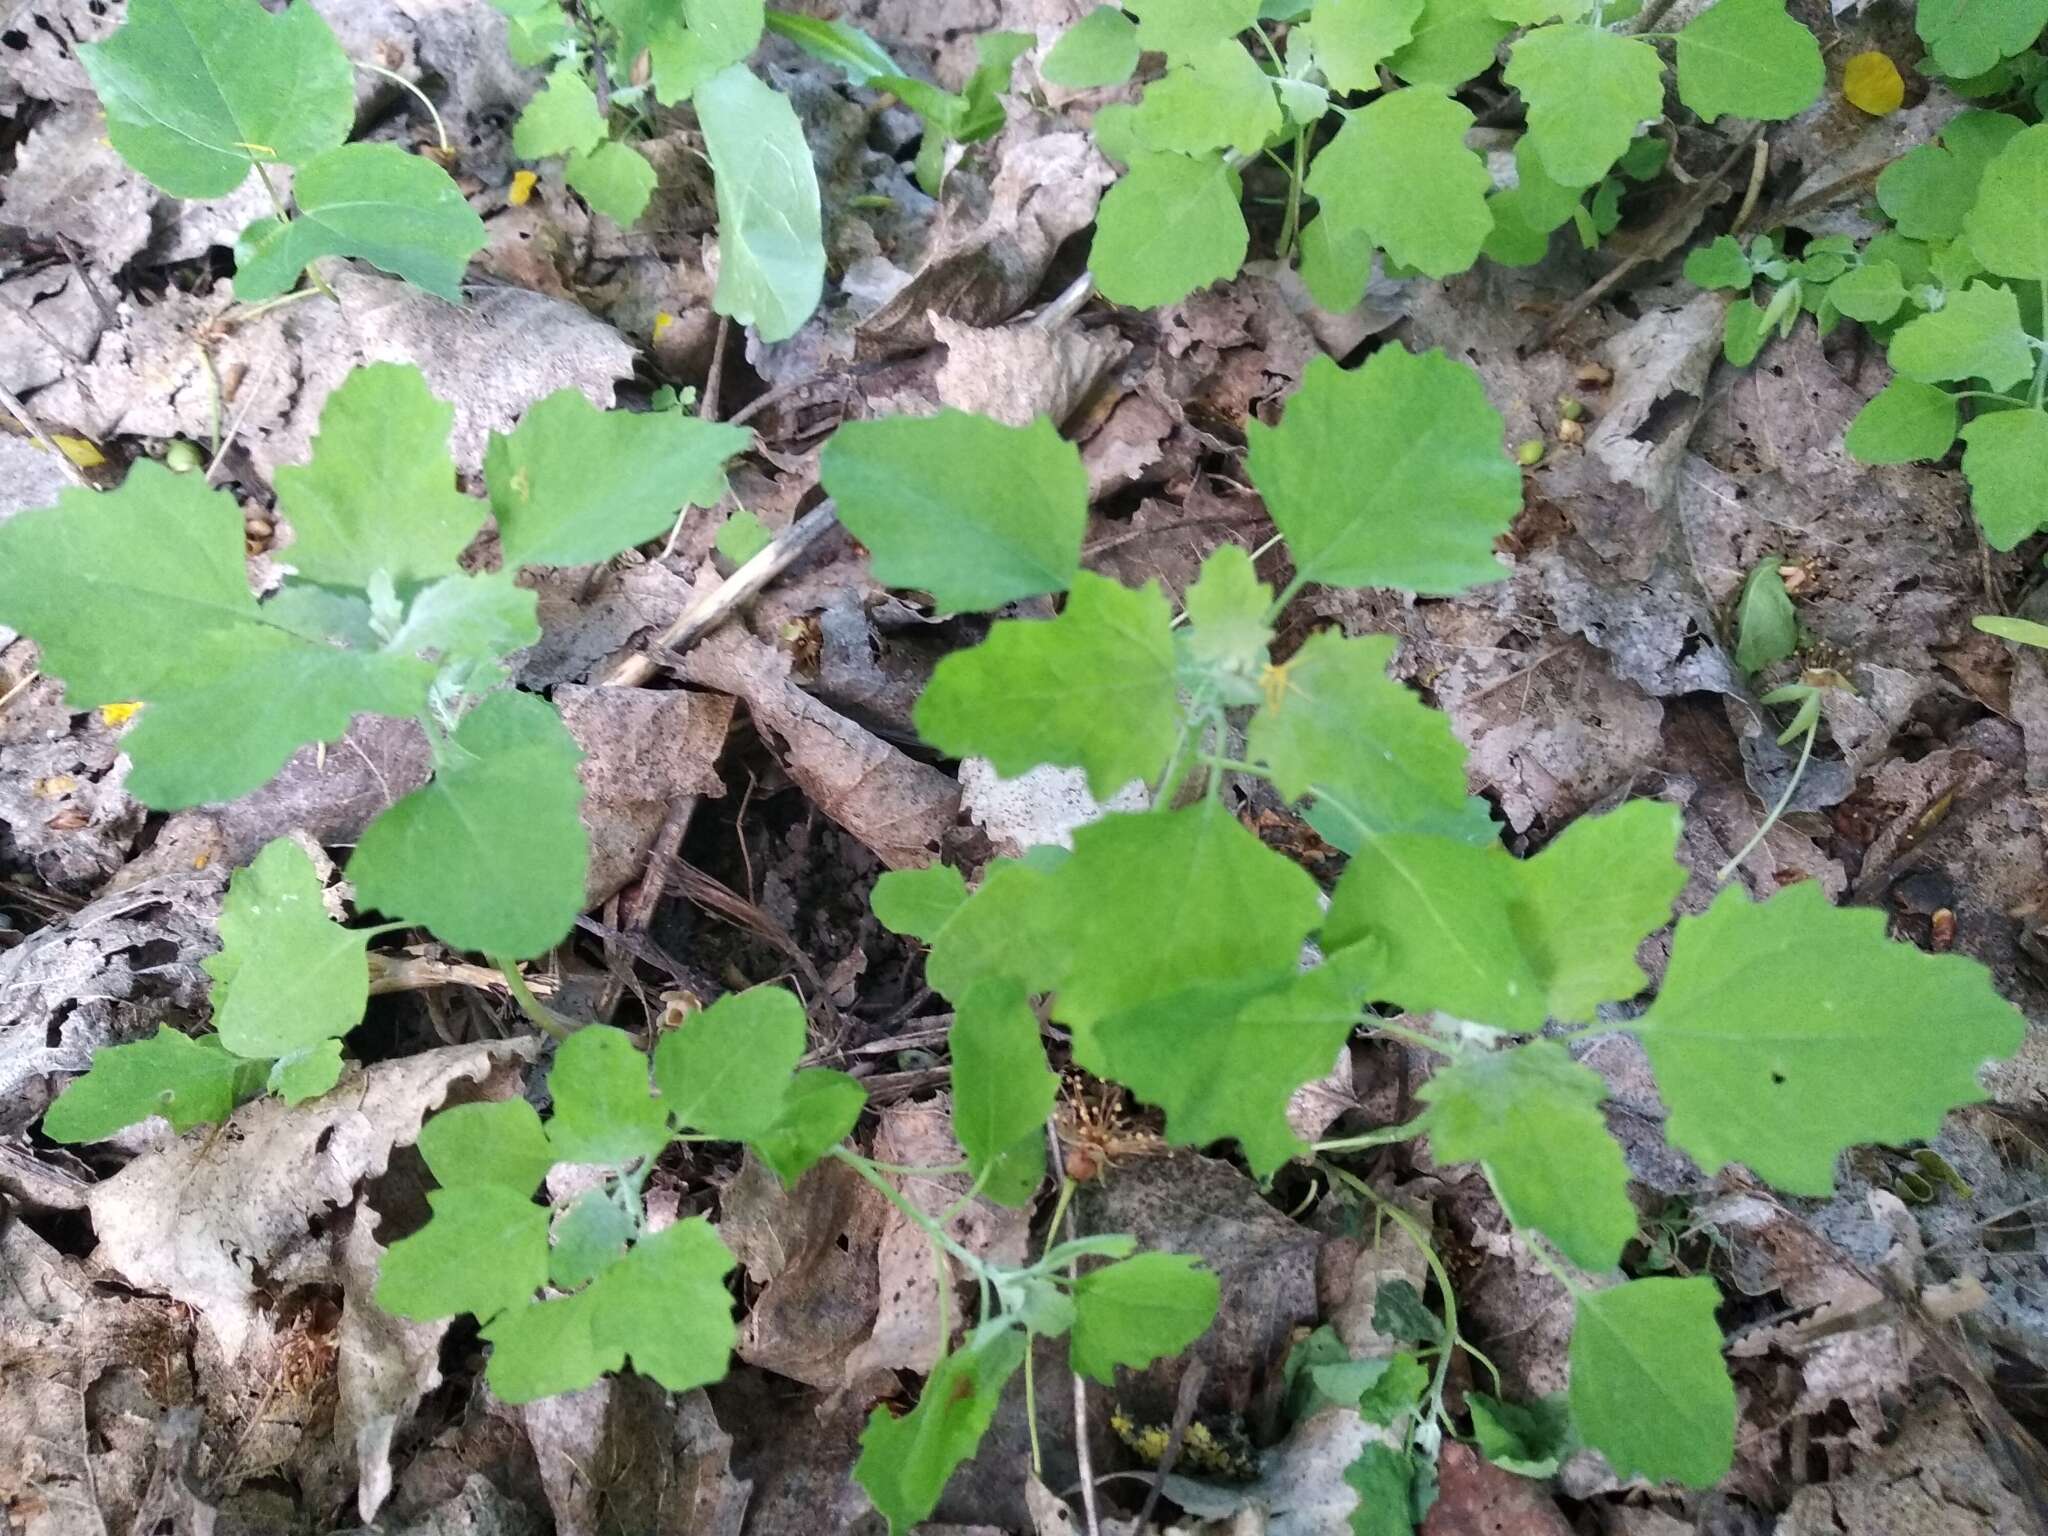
415	973
20	414
1757	166
1183	1416
707	405
640	904
100	302
18	689
220	452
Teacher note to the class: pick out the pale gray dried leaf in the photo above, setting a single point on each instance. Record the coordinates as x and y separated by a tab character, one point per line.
67	180
45	67
30	476
625	1456
478	1509
1300	1487
1935	1479
48	325
579	632
63	811
1039	807
1016	373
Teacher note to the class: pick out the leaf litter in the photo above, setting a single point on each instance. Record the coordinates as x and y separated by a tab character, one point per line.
204	1331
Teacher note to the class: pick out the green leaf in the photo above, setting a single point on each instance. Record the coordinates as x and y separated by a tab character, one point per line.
1967	37
1377	759
818	1112
1928	191
1002	1088
1525	213
1744	333
195	90
2020	631
535	30
718	35
1093	689
589	1239
561	119
1749	59
1227	605
379	493
573	484
905	1462
1454	40
665	1306
397	211
1178	28
974	512
1383	1388
189	1082
2008	227
615	179
1766	627
1172	225
1099	49
1976	335
1352	38
306	1074
1788	1030
726	1071
1871	293
1721	264
1527	1439
1336	264
1388	475
1587	90
1217	98
1531	1118
500	1142
1139	1310
1008	927
484	1249
771	250
469	620
99	581
742	536
838	43
548	1347
1648	1389
1399	171
1384	1481
919	902
490	855
605	1109
2005	459
1399	1313
287	975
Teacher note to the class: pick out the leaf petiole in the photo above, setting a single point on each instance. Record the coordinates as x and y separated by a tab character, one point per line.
528	1003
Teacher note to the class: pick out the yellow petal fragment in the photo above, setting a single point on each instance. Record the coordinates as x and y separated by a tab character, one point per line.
523	183
1871	82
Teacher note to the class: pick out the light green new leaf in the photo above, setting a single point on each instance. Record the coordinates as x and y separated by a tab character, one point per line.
1092	689
771	252
590	1237
1904	421
379	493
1388	475
1454	40
1587	91
1170	226
1008	927
1336	264
1788	1030
535	30
818	1112
1531	1118
572	484
666	1306
1720	264
100	581
308	1073
718	34
615	179
1589	899
1218	98
1227	632
1967	37
499	1142
1352	38
1526	213
905	1462
287	975
2019	631
742	536
469	619
919	902
974	512
1179	28
1648	1388
1766	625
484	1249
605	1108
1099	49
1139	1310
1928	191
1374	756
397	211
195	90
189	1082
2005	459
490	855
543	1348
561	119
1871	293
2008	227
726	1071
838	43
1399	171
1384	1480
1002	1088
1976	335
1749	59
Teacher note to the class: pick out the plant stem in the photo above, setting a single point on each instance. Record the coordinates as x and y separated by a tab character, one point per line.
1385	1137
440	128
1798	772
895	1197
1290	227
1558	1271
528	1003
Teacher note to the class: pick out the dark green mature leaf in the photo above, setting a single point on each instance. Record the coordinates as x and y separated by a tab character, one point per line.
1399	171
397	211
905	1462
1587	90
287	976
1766	627
561	119
1399	1312
490	855
498	1142
2005	459
484	1249
1788	1030
101	579
974	512
1968	37
196	90
1352	38
666	1308
1748	58
572	484
189	1082
726	1071
1871	293
2008	227
1648	1389
1137	1310
1388	475
1527	1439
1454	40
1002	1088
615	179
1383	1388
1093	689
1170	226
590	1237
1928	191
1099	49
379	493
1531	1118
771	248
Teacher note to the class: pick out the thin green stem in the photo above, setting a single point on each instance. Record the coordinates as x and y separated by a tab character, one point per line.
440	128
1798	772
1290	228
1031	1410
528	1003
1558	1272
1287	595
913	1171
2041	368
240	316
1415	1037
270	187
1387	1136
895	1197
1059	1209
